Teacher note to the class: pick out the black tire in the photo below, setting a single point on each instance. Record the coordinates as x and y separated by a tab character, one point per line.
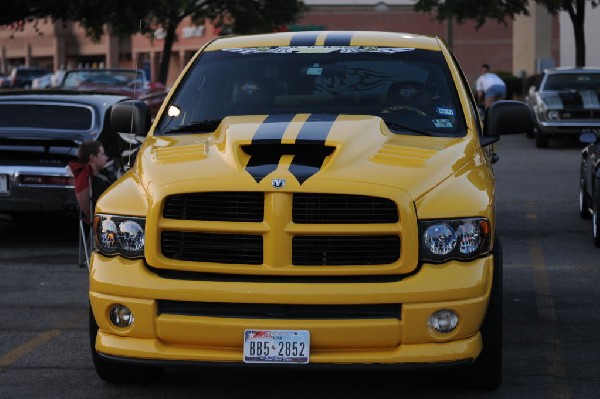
596	219
486	372
117	372
531	134
584	199
541	140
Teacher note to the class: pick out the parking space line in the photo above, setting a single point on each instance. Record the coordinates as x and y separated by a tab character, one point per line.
39	340
554	361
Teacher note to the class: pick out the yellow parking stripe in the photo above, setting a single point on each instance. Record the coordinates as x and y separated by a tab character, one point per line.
39	340
552	345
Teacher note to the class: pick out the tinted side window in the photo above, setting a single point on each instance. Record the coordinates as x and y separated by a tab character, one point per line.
47	116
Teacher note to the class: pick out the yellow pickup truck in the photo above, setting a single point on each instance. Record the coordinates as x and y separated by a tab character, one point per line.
305	199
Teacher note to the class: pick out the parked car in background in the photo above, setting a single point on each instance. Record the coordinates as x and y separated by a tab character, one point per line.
565	101
49	80
309	198
42	82
4	81
132	83
22	77
589	181
40	132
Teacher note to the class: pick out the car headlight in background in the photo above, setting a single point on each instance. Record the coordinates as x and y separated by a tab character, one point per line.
553	115
461	239
119	235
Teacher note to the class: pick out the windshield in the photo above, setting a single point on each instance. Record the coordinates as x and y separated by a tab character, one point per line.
573	81
411	89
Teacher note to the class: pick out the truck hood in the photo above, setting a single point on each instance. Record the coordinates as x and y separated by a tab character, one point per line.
302	152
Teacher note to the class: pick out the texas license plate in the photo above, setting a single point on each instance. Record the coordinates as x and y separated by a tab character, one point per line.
3	184
276	346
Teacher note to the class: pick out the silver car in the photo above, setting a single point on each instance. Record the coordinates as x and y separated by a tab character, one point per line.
39	134
565	101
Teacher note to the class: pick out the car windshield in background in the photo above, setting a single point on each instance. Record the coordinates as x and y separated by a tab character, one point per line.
76	79
572	81
409	88
45	116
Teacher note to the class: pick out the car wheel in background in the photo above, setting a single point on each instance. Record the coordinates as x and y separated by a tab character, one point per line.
584	200
531	134
596	219
541	140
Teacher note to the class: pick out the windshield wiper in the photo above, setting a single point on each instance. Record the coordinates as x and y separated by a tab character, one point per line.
204	126
404	127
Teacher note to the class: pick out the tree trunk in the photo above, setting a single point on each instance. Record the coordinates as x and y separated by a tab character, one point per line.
578	20
167	50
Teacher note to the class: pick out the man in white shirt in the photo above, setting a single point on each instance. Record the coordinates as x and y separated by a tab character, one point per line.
489	86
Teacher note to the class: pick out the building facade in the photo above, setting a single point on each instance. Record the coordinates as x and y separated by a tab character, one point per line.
514	46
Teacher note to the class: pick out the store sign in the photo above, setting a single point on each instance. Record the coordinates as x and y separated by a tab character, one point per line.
193	31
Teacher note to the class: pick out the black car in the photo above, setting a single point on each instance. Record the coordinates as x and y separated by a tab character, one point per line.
22	77
589	181
40	132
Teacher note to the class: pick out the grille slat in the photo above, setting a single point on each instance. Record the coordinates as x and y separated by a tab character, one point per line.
212	247
215	206
341	208
280	311
345	250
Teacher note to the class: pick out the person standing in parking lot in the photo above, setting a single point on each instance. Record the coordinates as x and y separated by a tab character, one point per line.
490	87
89	183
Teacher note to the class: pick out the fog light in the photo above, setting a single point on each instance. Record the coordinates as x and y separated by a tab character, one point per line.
120	315
443	321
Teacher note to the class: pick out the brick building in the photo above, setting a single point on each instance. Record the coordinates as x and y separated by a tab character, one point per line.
518	47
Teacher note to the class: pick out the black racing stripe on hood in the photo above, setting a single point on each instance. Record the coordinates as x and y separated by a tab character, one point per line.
316	128
269	132
314	131
338	39
272	129
304	39
572	100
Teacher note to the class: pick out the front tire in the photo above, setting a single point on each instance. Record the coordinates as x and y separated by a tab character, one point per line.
596	219
584	199
117	372
541	140
486	371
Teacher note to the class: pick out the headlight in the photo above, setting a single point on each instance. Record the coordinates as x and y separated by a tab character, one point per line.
461	239
119	235
553	115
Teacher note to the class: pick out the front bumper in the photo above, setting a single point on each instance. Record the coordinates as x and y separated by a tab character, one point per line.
20	197
567	128
461	286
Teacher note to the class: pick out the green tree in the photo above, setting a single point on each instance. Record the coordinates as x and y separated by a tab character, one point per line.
131	16
480	10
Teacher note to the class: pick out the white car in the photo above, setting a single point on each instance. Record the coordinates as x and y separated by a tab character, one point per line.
49	80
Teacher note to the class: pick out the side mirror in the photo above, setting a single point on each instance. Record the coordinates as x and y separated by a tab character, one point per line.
130	116
507	117
588	137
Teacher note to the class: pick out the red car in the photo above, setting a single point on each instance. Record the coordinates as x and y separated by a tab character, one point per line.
132	83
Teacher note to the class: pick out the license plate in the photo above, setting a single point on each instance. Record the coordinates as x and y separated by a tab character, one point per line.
3	184
276	346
